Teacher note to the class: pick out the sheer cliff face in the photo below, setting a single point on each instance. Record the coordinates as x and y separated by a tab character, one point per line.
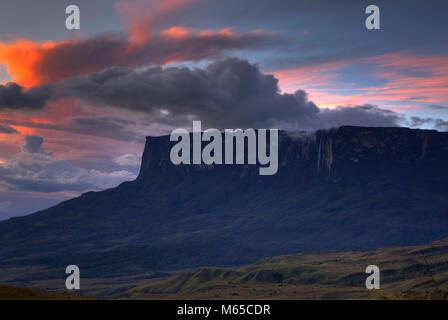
323	152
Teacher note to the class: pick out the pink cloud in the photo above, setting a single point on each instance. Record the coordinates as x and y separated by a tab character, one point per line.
409	78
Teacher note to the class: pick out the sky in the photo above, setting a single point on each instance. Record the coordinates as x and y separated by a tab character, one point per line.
76	105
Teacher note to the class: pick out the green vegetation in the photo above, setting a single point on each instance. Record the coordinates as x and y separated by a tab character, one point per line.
329	275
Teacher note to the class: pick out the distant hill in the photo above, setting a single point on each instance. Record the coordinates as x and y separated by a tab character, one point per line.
350	188
330	275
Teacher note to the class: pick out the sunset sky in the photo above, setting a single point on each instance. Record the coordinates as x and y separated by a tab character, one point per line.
75	106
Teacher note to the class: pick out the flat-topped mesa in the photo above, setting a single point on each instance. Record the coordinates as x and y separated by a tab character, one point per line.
349	188
322	151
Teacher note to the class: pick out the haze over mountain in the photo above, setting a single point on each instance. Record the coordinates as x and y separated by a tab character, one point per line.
343	189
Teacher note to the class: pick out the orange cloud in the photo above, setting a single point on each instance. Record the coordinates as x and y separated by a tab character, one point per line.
20	58
177	32
24	130
139	17
31	63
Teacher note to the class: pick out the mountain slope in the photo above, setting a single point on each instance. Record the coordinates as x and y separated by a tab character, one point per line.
345	189
329	275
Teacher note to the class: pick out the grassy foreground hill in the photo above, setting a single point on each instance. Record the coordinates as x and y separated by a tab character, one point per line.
326	275
330	275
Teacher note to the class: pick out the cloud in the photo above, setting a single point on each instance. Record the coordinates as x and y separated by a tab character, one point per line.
34	169
144	43
140	17
436	123
14	96
411	76
107	127
151	14
33	144
441	124
128	159
31	63
418	121
437	107
7	129
230	92
226	94
365	115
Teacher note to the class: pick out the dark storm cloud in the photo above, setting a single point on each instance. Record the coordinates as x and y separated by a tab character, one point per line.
226	94
230	92
107	127
14	96
81	56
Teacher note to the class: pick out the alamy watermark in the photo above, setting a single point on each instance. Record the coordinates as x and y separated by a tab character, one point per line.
73	20
212	153
73	17
373	281
73	280
373	20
